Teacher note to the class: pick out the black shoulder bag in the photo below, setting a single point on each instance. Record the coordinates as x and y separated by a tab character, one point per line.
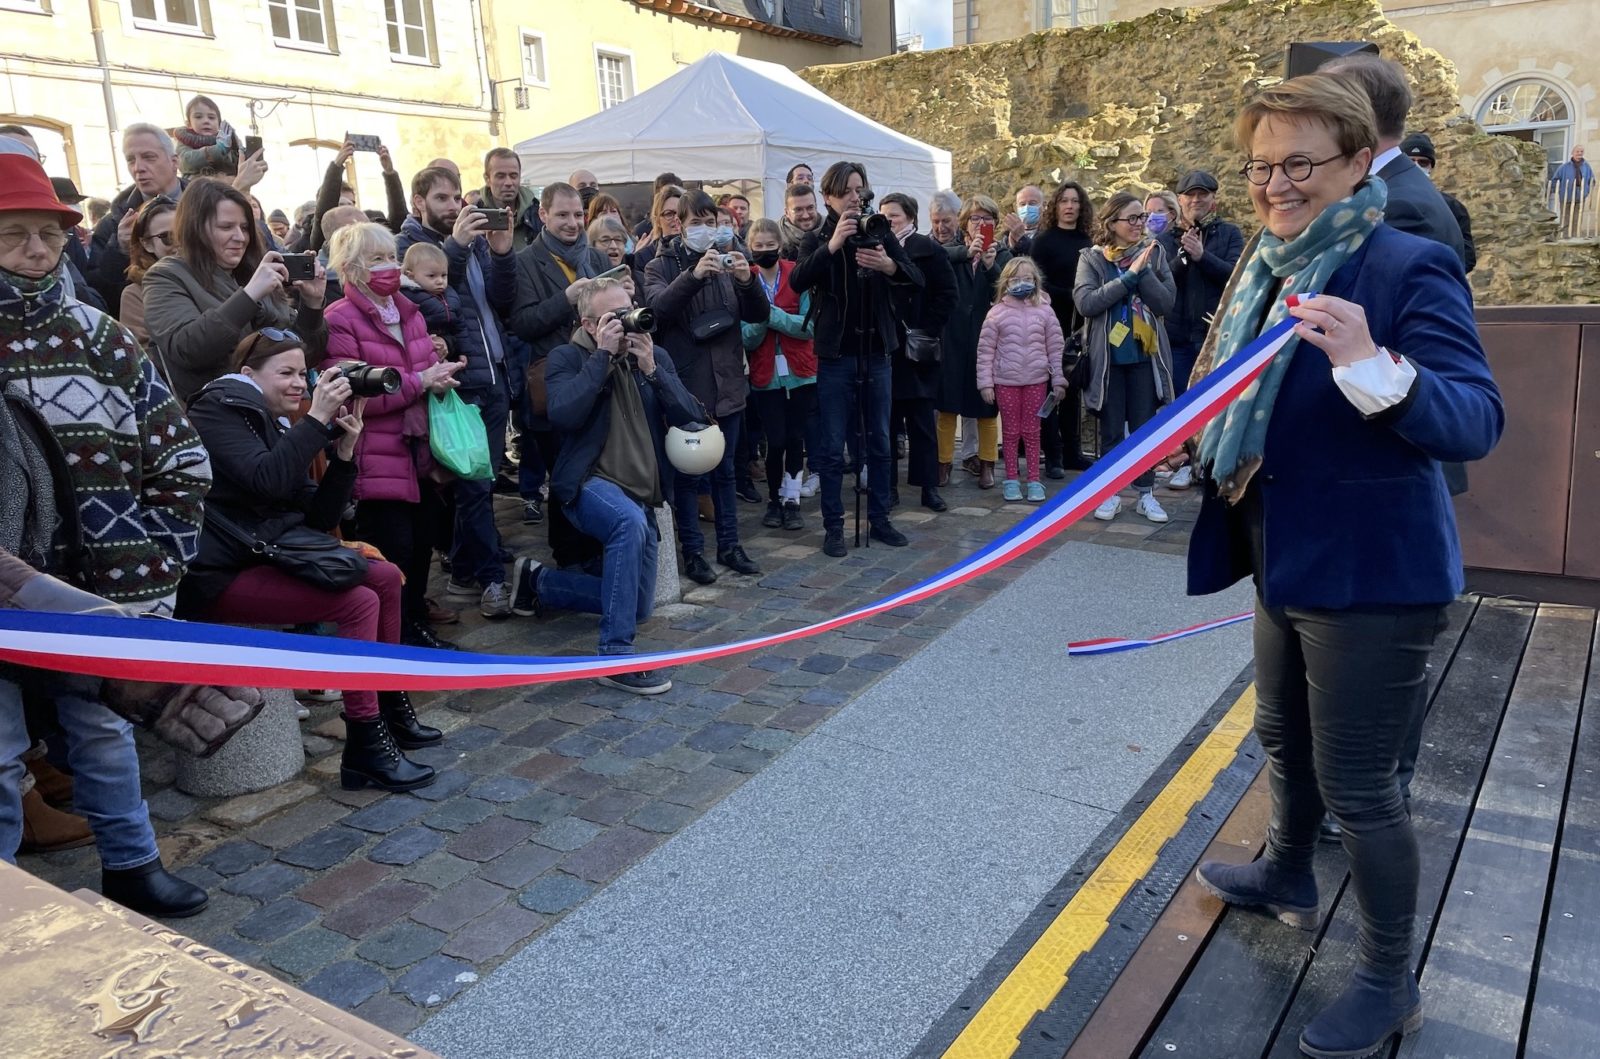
305	554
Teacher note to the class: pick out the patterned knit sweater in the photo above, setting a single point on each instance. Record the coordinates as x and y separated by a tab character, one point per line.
138	468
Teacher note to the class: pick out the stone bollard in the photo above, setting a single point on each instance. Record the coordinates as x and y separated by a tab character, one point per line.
262	754
668	589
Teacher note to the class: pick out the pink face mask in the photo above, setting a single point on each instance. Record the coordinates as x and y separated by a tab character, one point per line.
384	281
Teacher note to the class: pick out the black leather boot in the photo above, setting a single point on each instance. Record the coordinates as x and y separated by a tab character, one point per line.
398	714
151	890
372	760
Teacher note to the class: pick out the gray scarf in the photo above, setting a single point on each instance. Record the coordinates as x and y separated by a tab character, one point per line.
576	255
28	517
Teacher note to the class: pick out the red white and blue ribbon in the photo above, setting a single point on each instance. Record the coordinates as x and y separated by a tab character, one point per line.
1108	645
200	653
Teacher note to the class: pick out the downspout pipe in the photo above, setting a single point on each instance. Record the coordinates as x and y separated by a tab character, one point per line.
112	125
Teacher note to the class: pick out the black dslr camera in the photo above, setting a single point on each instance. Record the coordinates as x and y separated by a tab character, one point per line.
365	380
872	229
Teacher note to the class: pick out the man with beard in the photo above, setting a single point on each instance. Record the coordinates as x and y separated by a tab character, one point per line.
502	189
551	273
799	217
483	273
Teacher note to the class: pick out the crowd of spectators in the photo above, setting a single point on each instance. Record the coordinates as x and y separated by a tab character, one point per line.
192	384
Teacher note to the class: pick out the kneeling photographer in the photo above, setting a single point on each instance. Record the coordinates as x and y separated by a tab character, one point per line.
852	265
266	553
701	288
613	393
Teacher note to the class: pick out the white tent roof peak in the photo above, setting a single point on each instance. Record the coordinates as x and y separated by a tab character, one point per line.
728	118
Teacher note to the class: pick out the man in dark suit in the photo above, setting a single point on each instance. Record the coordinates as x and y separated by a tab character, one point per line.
1419	148
1415	205
552	271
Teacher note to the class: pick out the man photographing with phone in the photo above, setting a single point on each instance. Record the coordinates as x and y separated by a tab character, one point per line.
849	268
483	271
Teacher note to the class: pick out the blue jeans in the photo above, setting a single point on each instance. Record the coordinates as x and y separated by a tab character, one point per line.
624	593
836	394
1183	358
530	462
105	772
475	553
686	491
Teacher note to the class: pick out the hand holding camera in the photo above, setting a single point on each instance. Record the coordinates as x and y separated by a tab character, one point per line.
643	349
738	264
269	277
843	232
251	169
329	393
470	223
710	264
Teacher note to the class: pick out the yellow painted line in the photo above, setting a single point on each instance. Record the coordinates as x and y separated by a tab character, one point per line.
1042	973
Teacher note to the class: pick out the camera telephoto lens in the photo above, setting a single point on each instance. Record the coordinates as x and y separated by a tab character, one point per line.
639	321
369	381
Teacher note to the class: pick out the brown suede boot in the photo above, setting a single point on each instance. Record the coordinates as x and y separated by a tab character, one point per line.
986	474
45	830
55	785
944	474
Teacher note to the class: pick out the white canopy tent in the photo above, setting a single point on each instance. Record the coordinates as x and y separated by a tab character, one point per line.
727	118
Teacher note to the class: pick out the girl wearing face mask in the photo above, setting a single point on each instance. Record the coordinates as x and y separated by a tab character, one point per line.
397	503
1019	359
783	375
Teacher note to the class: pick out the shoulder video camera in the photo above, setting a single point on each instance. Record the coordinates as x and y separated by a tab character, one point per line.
365	379
872	228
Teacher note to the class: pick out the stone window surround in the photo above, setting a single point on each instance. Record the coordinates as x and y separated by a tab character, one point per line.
1581	97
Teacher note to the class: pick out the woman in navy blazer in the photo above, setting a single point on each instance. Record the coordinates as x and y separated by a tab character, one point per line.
1324	486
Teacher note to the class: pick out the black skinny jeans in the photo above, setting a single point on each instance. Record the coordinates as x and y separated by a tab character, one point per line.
405	533
1338	693
783	415
1130	399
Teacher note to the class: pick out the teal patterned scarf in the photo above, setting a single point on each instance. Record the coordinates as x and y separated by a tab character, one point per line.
1231	446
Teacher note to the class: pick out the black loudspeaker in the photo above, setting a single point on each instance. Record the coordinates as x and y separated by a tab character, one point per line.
1306	57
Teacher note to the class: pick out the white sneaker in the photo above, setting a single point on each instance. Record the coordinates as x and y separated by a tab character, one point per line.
811	483
496	601
1108	510
1150	508
1182	478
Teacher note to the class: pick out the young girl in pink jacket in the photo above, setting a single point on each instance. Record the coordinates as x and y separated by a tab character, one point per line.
1019	359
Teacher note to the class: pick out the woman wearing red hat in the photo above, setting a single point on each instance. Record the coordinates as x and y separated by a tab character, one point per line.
74	380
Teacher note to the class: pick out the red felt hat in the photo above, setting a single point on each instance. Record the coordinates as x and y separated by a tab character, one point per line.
24	186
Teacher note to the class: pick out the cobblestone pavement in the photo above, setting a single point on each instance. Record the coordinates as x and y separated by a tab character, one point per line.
391	905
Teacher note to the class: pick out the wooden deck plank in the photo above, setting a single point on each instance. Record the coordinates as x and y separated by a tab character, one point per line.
1245	979
1123	1019
1477	968
1461	726
1565	1020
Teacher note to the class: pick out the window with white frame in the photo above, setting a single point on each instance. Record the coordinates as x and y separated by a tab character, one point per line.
533	68
31	7
300	22
411	30
614	74
817	9
848	8
168	14
1064	14
1534	110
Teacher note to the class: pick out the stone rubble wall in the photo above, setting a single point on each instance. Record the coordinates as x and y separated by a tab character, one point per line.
1135	104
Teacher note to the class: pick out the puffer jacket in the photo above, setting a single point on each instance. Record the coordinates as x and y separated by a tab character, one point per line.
1020	345
393	451
449	318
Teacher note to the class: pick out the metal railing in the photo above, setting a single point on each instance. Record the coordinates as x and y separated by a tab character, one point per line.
1577	208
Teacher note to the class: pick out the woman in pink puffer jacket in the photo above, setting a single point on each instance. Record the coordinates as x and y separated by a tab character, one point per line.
1019	360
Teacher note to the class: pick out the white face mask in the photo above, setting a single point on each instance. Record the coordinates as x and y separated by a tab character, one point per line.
699	237
724	236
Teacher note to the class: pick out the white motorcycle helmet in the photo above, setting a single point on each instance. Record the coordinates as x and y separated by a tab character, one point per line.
696	448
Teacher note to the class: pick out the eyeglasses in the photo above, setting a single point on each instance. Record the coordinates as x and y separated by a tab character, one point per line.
1134	218
52	238
167	239
275	335
1297	167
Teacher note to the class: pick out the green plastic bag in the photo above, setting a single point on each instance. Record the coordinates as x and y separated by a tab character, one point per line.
457	436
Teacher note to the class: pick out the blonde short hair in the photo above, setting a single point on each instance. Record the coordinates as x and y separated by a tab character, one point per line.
593	290
349	248
422	254
1167	197
605	222
1008	276
1324	99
